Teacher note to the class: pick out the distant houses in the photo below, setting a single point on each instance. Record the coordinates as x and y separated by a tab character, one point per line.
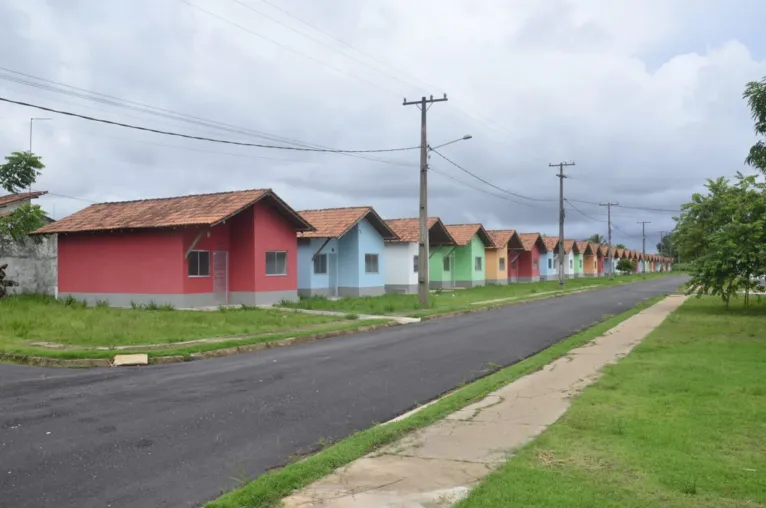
252	248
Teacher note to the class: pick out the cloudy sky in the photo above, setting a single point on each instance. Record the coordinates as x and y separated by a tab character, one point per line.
644	95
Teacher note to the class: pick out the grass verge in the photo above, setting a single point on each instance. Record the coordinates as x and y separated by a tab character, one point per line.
447	301
679	422
267	490
187	351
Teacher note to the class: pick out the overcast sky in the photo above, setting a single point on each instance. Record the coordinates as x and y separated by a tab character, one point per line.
644	95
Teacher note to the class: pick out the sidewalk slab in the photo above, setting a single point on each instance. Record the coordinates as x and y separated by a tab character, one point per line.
436	466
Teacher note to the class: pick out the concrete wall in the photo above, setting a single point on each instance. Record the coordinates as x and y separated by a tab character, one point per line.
493	273
579	265
32	265
400	266
439	277
465	262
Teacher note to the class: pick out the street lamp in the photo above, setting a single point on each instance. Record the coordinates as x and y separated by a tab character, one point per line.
467	136
31	124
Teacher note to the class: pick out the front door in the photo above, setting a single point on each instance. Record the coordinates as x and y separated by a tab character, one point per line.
221	277
332	272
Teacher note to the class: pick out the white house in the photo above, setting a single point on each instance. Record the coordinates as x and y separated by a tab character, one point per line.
402	254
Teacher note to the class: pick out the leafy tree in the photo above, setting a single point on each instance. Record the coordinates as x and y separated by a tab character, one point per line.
665	246
17	174
597	239
755	93
723	235
620	246
625	265
20	171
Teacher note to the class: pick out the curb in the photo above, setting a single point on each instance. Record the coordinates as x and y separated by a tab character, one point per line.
84	363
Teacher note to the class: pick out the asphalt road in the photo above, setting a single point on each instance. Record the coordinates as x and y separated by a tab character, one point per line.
179	435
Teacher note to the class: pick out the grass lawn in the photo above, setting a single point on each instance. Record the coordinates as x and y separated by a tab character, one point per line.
27	319
452	300
679	422
267	490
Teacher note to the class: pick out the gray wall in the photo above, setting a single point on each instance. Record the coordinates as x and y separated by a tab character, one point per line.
32	265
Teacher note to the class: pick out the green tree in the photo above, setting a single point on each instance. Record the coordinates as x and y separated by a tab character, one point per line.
723	235
665	246
625	265
620	246
755	93
597	239
18	173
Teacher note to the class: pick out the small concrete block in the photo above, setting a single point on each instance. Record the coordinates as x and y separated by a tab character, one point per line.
126	360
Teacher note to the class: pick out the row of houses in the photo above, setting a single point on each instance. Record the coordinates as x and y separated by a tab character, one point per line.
250	247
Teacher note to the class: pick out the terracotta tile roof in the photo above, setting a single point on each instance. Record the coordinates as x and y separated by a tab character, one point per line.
569	245
336	222
529	240
501	237
194	210
408	230
20	196
583	246
550	243
603	250
620	253
462	233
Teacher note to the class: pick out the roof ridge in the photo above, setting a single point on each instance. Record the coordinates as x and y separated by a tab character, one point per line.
336	208
167	198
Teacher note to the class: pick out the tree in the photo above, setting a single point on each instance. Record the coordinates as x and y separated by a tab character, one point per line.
755	93
18	173
620	246
665	246
723	235
625	265
597	239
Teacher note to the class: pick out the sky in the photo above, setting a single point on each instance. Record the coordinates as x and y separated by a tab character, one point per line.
645	96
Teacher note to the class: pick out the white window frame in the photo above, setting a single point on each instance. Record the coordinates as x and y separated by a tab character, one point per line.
320	257
188	262
377	262
415	263
275	263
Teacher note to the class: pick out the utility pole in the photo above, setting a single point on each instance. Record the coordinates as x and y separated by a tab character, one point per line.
643	242
609	206
562	214
424	103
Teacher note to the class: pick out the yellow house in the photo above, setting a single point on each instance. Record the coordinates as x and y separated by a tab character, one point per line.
501	259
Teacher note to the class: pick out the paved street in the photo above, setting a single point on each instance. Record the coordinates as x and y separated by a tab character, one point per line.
178	435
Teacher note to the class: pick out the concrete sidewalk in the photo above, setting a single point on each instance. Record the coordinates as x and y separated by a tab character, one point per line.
436	466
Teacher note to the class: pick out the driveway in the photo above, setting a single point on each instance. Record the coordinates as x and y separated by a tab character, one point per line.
178	435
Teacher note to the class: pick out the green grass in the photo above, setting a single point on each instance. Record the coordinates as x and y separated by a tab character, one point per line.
29	318
454	300
267	490
680	422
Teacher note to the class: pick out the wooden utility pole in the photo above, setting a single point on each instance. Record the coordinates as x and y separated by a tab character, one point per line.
423	266
562	213
643	241
609	235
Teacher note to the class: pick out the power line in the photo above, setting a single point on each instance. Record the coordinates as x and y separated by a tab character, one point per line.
479	189
583	213
202	138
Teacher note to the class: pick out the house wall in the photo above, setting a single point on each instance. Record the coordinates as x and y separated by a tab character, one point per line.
579	265
213	239
569	264
401	276
369	241
310	283
548	267
590	265
493	273
530	265
438	277
601	265
31	265
465	275
514	257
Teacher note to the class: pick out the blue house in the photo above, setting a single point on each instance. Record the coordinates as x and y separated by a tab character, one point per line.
345	256
549	268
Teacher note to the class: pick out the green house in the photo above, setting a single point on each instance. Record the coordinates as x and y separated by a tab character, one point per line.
464	264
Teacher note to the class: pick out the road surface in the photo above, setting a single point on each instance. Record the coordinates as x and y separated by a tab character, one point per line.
178	435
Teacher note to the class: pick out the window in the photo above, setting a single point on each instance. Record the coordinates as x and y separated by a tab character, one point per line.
501	265
446	264
550	264
370	263
199	263
276	263
581	263
477	264
570	264
537	266
320	264
415	263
